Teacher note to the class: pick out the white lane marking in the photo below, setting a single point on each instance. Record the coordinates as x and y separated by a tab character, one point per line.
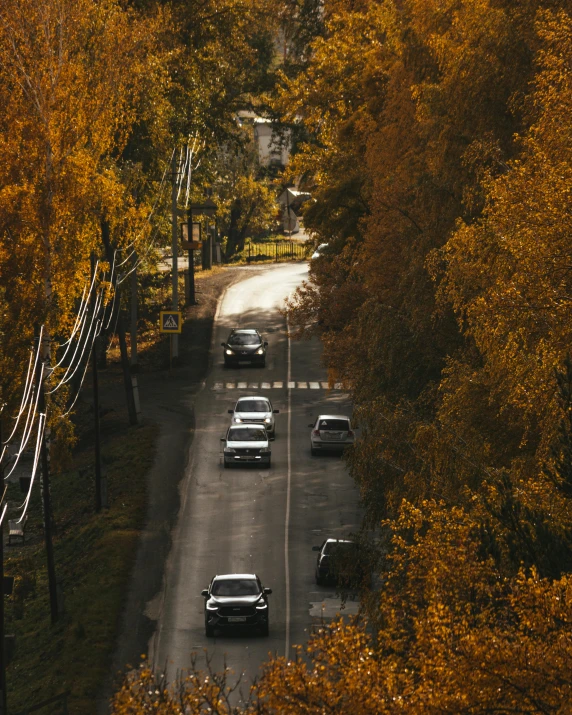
291	385
302	385
253	385
265	386
338	386
324	385
230	385
277	384
287	518
242	385
218	386
314	385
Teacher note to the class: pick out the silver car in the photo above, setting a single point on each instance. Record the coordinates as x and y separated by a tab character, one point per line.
246	444
331	432
255	410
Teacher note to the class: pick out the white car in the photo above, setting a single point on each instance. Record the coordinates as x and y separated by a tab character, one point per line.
320	250
246	444
331	432
255	410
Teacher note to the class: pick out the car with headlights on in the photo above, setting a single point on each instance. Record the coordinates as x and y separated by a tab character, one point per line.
255	410
247	444
236	599
244	346
331	433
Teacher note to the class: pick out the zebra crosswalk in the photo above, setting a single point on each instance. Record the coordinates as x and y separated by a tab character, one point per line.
275	385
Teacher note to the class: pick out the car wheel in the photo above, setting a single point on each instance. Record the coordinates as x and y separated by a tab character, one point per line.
268	465
209	631
225	463
263	363
313	451
319	580
265	629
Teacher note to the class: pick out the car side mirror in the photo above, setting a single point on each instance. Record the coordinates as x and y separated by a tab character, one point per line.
223	439
223	345
276	412
267	591
205	592
311	425
316	548
231	412
271	439
265	344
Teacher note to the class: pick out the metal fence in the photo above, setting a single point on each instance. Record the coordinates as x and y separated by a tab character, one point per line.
275	251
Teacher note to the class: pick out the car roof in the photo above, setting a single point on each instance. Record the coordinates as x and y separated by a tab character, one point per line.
339	541
249	331
228	576
333	417
243	425
253	397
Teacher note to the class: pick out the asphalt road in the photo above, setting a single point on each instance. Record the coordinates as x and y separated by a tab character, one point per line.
255	520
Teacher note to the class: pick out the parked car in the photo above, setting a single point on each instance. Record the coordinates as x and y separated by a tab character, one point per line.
255	410
244	346
332	554
320	250
331	432
247	444
236	599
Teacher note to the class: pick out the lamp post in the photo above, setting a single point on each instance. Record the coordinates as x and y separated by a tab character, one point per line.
206	208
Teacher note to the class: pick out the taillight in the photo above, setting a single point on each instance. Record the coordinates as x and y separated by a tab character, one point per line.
350	433
316	433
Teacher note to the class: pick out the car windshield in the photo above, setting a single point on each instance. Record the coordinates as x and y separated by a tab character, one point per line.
337	546
247	434
236	587
332	424
243	339
252	406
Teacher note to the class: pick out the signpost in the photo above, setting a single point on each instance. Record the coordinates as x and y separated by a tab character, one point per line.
171	322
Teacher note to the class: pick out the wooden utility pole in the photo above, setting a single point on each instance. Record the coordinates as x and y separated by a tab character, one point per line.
98	498
175	249
46	497
133	328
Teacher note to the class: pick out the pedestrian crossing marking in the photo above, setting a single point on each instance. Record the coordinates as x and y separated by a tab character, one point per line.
276	385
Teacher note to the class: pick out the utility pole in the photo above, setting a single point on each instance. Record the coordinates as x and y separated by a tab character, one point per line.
133	278
98	499
3	697
174	248
46	498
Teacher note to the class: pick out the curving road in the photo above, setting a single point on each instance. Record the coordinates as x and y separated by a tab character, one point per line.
255	520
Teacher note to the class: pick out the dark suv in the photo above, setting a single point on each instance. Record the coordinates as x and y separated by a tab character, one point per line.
236	599
244	346
335	554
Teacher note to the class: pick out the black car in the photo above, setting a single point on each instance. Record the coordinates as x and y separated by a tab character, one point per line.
334	555
244	346
236	599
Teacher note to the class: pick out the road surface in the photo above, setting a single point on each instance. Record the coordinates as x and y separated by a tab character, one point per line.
255	520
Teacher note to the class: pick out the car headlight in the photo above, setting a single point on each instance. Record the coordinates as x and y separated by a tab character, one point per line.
268	420
261	605
260	351
236	419
212	606
229	450
229	352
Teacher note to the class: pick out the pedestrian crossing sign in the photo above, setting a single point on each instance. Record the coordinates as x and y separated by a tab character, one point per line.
171	321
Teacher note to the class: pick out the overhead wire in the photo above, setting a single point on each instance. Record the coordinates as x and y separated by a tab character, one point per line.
41	428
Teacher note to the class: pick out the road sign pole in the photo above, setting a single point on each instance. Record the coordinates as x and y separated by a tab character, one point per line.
174	248
97	445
